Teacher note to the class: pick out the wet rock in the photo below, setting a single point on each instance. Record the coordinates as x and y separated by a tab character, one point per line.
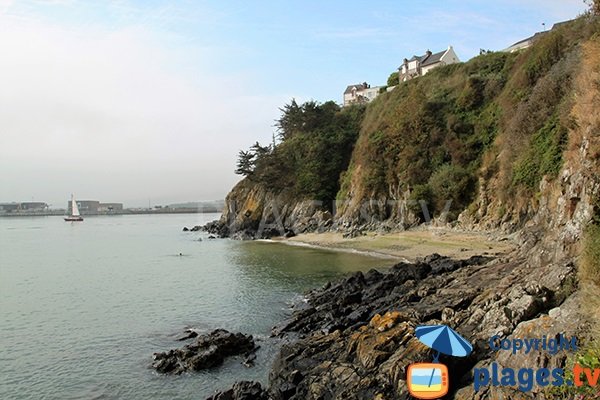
354	338
289	233
216	228
244	390
188	334
243	235
206	351
249	360
185	229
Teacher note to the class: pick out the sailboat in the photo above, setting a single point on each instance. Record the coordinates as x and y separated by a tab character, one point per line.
75	216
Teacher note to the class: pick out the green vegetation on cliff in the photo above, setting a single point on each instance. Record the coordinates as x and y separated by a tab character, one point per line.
501	118
429	134
316	143
499	122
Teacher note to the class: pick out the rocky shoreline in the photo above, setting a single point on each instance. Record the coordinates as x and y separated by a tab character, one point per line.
206	351
354	338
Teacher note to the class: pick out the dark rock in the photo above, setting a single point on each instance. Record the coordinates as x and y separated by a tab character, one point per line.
243	235
357	334
196	228
354	338
188	334
249	360
289	233
185	229
212	237
216	228
207	351
243	390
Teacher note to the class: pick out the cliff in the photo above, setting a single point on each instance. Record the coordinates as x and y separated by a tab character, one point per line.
504	142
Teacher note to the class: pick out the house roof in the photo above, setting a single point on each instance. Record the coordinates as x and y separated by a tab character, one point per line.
358	86
428	59
529	39
538	34
433	58
558	24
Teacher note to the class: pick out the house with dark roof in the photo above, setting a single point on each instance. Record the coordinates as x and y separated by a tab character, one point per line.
360	93
420	65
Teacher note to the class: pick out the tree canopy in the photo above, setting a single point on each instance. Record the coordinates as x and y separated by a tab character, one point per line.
315	145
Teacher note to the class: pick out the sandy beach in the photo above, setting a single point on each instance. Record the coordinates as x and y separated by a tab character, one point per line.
412	244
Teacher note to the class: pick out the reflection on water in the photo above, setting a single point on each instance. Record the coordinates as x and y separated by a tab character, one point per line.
83	306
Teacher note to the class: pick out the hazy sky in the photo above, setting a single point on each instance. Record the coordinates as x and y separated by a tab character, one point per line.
128	101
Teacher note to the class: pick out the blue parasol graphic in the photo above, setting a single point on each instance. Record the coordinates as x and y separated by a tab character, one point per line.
443	339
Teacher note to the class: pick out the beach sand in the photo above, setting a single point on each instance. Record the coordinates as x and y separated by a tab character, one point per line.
412	244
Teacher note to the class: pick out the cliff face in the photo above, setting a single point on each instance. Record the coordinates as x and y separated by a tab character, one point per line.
505	141
565	205
534	131
254	211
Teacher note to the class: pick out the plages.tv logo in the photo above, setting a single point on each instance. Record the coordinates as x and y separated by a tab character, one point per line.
430	380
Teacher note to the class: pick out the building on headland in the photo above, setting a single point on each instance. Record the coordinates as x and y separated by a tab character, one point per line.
526	43
420	65
523	44
23	207
361	93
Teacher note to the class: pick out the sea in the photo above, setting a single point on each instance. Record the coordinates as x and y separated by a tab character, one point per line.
84	305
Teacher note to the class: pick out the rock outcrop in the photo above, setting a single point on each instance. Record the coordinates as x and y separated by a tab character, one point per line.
243	390
252	211
355	337
207	351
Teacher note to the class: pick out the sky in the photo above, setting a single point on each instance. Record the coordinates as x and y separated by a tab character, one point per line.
150	101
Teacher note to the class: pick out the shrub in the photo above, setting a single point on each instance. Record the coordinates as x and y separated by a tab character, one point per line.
589	266
451	183
543	156
549	49
472	95
419	194
587	357
393	79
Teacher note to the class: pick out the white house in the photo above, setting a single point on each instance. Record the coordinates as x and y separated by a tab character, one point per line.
361	93
420	65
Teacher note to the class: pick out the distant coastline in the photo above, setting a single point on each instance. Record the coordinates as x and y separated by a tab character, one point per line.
61	212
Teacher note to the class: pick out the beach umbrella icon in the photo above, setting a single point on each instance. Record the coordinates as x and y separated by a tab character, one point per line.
443	339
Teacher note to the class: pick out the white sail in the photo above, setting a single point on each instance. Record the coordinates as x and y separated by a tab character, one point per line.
74	208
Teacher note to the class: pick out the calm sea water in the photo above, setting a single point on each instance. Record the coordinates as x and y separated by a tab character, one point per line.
84	305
